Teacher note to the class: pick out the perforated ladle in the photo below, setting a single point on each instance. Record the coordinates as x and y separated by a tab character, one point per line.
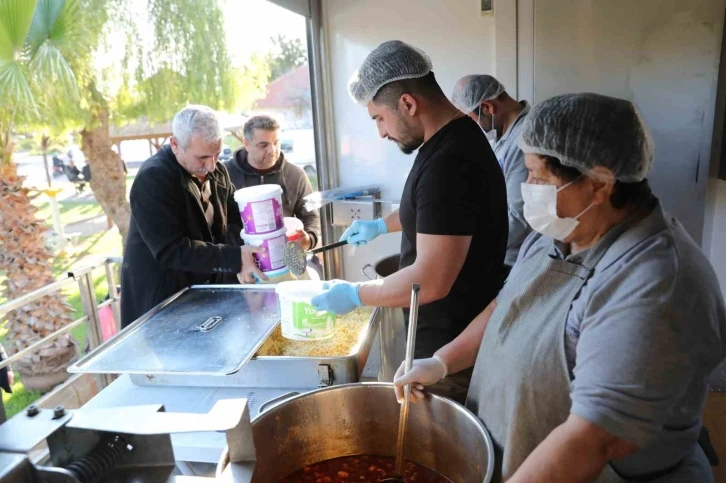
397	476
296	258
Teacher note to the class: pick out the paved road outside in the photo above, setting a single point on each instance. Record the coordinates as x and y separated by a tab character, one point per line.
32	168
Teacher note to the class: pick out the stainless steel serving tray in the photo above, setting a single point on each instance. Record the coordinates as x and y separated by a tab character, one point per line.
285	371
203	330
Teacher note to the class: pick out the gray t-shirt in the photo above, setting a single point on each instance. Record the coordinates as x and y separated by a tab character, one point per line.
642	338
511	160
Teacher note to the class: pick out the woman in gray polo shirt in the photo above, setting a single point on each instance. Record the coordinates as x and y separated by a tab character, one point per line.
592	363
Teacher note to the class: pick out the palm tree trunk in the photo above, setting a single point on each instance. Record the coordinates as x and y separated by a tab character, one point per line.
6	144
108	179
27	264
44	143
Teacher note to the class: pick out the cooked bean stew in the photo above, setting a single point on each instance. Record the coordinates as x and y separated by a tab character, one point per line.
362	469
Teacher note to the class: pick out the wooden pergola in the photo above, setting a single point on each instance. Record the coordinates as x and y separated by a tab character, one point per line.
157	134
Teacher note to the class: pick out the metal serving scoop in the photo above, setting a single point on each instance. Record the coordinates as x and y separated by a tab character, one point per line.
397	476
296	258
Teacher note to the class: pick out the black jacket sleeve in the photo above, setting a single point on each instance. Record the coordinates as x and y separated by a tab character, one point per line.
156	205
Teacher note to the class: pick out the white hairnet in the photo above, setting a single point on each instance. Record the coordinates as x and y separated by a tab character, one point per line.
391	61
471	90
588	130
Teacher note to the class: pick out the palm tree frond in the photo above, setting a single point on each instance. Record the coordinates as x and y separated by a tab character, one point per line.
15	91
53	35
55	21
16	17
49	67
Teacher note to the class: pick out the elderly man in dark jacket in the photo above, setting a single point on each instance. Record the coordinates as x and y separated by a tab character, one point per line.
261	161
182	208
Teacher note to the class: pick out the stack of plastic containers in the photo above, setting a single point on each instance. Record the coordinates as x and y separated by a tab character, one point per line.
261	210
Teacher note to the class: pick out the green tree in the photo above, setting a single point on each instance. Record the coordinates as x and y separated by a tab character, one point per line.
36	38
172	55
252	81
286	55
80	65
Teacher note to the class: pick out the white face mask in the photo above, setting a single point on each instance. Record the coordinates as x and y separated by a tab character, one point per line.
491	135
540	211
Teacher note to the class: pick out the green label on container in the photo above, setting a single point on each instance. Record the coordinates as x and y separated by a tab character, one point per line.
311	323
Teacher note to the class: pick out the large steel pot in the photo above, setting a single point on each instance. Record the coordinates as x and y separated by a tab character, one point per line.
392	328
384	267
358	419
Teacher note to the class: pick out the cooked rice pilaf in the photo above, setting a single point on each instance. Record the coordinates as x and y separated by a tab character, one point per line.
346	339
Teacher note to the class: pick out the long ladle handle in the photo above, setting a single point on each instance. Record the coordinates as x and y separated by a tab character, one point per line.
328	247
410	345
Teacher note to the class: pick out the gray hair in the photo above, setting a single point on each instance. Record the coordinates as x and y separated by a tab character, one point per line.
196	119
263	122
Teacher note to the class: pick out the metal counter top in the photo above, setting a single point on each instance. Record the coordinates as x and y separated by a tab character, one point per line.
201	447
194	349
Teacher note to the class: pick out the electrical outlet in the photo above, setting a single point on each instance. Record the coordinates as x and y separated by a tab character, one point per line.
354	213
345	212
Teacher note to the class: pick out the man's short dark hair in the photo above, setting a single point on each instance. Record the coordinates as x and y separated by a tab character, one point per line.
425	87
264	122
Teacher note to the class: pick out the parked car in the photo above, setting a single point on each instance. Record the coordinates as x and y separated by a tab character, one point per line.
226	153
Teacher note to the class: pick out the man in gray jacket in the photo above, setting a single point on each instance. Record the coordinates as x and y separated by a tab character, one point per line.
484	99
260	161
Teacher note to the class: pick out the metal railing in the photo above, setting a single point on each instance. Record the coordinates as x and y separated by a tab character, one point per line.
91	308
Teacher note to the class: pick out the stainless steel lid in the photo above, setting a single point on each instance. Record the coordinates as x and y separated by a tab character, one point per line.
202	330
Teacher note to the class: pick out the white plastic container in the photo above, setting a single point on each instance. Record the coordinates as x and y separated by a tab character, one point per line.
278	276
283	275
260	208
300	320
272	258
292	225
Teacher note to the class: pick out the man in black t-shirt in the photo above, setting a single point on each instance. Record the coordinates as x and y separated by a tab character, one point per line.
453	214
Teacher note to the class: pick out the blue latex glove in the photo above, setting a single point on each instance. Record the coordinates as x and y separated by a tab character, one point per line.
340	297
361	232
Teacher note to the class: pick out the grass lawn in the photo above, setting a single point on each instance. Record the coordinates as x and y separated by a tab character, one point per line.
86	250
70	211
19	399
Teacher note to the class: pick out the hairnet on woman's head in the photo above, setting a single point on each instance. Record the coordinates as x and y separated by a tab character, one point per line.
471	90
588	130
391	61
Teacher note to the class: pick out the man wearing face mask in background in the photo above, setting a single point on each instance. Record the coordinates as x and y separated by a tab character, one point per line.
484	99
262	162
453	206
